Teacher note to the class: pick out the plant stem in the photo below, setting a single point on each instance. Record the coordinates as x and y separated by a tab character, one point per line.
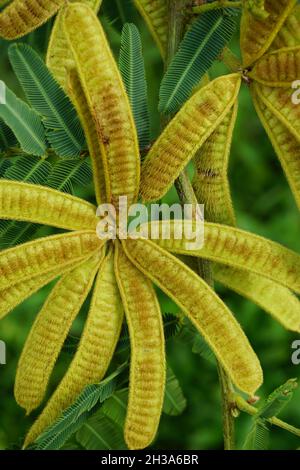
177	21
215	5
229	405
243	405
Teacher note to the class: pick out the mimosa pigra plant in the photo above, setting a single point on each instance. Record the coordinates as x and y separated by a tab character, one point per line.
122	273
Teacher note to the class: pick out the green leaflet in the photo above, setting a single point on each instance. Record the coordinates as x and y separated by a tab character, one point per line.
7	137
115	407
5	163
25	123
132	68
258	436
101	433
69	172
174	402
29	170
200	47
278	400
62	125
56	435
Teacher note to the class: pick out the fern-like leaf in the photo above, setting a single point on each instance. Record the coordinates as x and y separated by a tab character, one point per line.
200	47
5	163
101	433
278	400
69	172
132	69
258	436
57	434
115	407
175	402
24	122
62	125
7	137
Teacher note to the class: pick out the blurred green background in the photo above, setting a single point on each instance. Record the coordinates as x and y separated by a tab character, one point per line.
264	205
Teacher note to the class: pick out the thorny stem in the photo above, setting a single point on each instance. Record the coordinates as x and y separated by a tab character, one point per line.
244	406
177	21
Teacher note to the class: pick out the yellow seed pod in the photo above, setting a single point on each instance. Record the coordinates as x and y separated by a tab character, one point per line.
39	204
289	34
49	332
15	294
286	146
279	301
107	100
278	69
185	134
59	58
147	366
77	94
23	16
233	247
258	34
44	255
279	101
204	308
93	356
211	183
155	14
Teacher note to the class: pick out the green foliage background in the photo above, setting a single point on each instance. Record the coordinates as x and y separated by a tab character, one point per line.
263	204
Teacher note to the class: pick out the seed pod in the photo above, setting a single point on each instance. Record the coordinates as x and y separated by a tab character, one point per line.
44	255
49	332
289	34
279	301
211	183
42	205
258	34
278	69
155	14
148	368
59	57
107	100
12	296
286	146
185	134
236	248
204	308
23	16
90	131
279	102
93	356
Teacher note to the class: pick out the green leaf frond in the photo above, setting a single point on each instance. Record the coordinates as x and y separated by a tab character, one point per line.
46	96
7	137
68	173
132	68
200	47
57	434
24	122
